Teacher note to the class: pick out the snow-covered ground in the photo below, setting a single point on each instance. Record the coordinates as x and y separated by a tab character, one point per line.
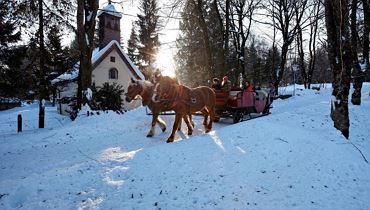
291	159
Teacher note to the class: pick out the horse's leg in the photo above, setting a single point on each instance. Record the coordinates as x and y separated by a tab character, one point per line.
191	120
161	124
178	118
188	123
205	113
152	129
179	127
212	117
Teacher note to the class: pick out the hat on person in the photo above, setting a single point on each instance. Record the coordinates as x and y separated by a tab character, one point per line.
225	78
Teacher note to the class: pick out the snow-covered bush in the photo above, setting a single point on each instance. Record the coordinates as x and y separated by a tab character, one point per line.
108	97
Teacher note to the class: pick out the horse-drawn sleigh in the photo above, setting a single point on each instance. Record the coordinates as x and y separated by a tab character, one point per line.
167	94
237	103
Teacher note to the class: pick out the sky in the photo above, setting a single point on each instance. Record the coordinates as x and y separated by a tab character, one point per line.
167	35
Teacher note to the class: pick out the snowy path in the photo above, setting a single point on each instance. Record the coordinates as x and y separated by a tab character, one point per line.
292	159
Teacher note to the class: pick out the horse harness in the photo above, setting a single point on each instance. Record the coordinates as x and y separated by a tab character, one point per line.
191	102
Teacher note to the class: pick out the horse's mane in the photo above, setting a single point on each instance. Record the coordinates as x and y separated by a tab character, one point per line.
168	79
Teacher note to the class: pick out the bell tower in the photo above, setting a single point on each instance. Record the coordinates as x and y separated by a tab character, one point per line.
109	25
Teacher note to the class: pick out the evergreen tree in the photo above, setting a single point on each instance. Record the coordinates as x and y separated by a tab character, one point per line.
9	76
8	32
272	62
31	64
216	36
15	79
322	72
250	62
133	45
201	54
148	23
191	56
56	55
73	52
108	97
256	58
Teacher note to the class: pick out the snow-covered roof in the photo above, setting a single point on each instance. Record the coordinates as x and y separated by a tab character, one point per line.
68	75
9	100
73	73
97	55
109	9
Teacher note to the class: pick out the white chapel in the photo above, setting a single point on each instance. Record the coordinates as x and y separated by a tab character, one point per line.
109	62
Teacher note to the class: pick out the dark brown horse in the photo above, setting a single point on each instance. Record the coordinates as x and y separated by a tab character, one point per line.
184	100
144	89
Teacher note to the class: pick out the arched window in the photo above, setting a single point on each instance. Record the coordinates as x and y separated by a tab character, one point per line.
113	73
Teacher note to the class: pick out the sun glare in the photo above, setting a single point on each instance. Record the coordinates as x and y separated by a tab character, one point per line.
165	62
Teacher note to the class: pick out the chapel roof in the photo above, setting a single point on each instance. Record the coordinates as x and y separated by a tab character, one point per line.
109	9
97	57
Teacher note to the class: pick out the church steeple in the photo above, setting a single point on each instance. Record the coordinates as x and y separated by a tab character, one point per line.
109	25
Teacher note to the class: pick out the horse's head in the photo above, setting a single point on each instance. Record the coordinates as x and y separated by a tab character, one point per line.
133	90
164	89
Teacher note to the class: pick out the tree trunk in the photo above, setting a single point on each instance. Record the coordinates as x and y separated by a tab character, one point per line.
356	74
42	69
284	52
366	6
340	58
241	51
222	32
273	70
86	14
312	44
301	57
227	30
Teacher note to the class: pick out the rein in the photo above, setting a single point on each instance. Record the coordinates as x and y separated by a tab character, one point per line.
146	91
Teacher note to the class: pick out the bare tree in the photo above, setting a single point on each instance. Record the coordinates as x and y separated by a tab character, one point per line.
301	61
314	15
287	17
315	19
241	21
340	58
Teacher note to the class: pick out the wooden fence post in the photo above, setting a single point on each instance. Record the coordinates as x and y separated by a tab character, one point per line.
19	123
42	114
